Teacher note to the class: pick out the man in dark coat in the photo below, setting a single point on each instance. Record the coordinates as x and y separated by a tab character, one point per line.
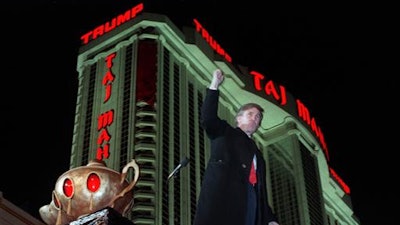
228	196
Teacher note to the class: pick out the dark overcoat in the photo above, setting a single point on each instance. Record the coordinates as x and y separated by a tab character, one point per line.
223	195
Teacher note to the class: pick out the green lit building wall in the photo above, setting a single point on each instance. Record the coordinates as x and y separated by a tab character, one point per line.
140	90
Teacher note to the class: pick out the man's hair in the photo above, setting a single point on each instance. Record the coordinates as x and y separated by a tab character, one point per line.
249	106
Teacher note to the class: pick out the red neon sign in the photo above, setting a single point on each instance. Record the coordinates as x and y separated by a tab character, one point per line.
278	92
112	24
211	41
344	186
105	119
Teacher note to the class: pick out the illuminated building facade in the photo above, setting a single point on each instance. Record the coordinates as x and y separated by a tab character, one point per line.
141	85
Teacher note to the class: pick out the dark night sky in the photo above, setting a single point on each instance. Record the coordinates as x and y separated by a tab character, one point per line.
334	58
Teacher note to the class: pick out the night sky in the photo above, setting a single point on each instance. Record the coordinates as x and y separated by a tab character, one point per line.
334	58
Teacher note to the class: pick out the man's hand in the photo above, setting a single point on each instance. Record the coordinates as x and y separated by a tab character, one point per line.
217	79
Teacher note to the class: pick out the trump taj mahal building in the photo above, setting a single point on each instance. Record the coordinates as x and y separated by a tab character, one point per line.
141	83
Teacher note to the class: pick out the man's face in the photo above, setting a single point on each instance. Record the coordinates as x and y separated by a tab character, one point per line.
249	121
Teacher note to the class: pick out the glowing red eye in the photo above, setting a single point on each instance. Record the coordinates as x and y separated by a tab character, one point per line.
68	188
93	182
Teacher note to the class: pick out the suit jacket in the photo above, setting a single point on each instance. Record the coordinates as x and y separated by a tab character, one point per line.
223	195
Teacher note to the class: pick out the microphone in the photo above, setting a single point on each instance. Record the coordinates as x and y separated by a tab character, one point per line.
183	163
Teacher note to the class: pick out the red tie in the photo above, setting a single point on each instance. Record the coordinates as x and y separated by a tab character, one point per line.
253	176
